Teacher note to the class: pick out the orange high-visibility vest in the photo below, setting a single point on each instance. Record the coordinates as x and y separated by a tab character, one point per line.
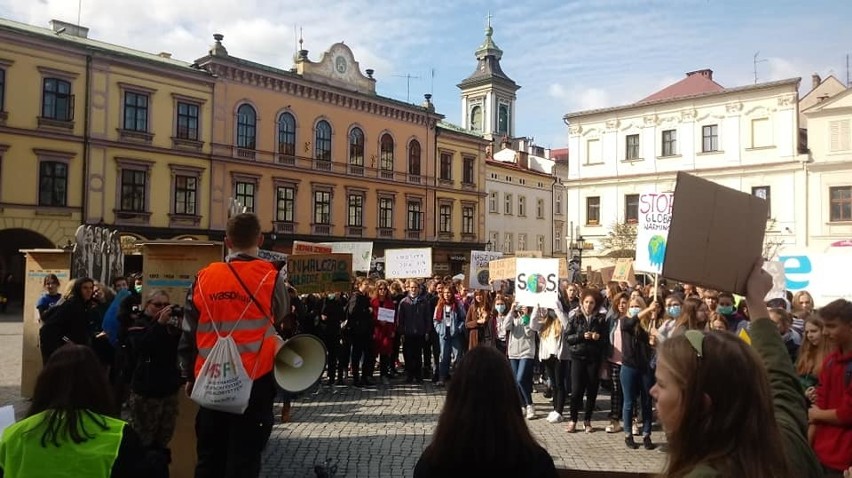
223	305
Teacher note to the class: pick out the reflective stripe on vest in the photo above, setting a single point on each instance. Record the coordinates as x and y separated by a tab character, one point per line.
22	455
225	309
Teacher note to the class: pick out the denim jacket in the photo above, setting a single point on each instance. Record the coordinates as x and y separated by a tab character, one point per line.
457	314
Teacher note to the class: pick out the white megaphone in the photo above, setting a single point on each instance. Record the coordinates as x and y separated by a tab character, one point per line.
300	363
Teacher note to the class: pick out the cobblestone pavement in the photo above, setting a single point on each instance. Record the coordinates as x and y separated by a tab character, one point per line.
11	329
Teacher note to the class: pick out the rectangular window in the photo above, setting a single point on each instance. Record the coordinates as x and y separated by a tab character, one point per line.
631	208
508	207
385	213
763	192
186	189
133	190
840	134
187	121
522	242
2	89
710	138
467	219
467	176
841	203
632	147
761	135
244	194
356	210
492	202
322	207
135	111
285	207
669	142
558	202
53	184
415	216
593	152
508	243
539	208
539	243
57	100
445	215
447	166
557	239
593	210
522	206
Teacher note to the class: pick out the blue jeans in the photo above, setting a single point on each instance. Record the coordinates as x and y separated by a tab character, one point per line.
523	371
636	382
449	346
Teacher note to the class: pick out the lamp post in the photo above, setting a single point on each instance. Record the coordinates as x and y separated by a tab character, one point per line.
488	246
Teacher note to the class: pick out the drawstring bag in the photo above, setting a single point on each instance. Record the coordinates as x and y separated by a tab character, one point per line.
223	383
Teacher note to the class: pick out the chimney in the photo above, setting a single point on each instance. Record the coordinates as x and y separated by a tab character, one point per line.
65	28
164	54
706	73
815	81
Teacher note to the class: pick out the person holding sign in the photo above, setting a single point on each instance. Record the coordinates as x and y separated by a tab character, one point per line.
449	324
479	323
521	338
384	318
586	338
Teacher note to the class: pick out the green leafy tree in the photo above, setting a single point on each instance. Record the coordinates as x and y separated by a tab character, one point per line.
620	241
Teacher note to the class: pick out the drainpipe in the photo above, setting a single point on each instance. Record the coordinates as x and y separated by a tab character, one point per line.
86	138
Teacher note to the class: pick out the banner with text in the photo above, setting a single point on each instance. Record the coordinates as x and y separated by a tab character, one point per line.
361	252
652	232
302	247
537	282
312	273
408	263
502	269
479	277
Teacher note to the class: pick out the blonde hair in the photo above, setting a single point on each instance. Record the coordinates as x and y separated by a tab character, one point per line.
552	327
811	356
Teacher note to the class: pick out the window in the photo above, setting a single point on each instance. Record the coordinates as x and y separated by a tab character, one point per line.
414	157
632	147
763	192
246	127
447	166
522	206
593	210
710	138
187	121
631	208
287	134
669	142
386	153
467	220
244	194
467	172
322	150
557	239
186	189
503	119
840	135
476	118
593	152
322	207
522	241
356	147
133	182
841	203
53	184
492	202
2	89
135	111
539	243
761	134
558	202
57	100
415	216
508	242
539	208
356	210
385	213
507	204
445	214
285	207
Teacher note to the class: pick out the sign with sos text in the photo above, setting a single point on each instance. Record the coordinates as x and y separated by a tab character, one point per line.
652	231
537	282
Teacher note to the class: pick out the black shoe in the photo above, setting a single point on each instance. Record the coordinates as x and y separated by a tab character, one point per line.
435	378
646	442
409	379
548	392
368	382
628	440
418	380
357	383
339	382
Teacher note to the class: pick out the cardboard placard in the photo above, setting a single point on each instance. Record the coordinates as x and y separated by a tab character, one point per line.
386	315
171	266
302	247
623	270
606	274
535	254
502	269
655	213
716	235
408	263
312	273
564	272
361	252
779	280
537	282
480	274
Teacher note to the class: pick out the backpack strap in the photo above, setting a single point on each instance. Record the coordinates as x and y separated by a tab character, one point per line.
251	296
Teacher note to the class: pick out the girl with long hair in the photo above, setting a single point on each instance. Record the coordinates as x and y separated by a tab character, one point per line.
812	354
694	315
480	431
521	352
384	331
70	319
553	351
586	337
479	321
637	376
617	314
449	323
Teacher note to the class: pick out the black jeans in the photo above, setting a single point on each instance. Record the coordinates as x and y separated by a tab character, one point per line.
431	352
558	372
332	347
343	356
361	351
616	398
229	445
412	352
585	378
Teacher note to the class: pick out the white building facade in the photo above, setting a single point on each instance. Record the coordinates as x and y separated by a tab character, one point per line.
745	138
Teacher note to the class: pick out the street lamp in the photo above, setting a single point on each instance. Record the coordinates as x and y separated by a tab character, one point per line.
577	248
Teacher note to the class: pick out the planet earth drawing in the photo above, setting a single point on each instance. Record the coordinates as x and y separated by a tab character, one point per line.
657	250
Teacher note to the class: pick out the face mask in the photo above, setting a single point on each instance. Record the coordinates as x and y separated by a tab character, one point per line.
501	308
138	288
526	319
725	309
673	311
633	311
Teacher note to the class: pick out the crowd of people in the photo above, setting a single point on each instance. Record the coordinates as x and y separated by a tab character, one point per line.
665	355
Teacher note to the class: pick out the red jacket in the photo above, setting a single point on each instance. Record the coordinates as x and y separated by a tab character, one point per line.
833	443
383	332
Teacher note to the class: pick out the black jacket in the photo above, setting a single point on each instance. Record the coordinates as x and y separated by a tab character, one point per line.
636	349
335	315
359	318
578	325
154	349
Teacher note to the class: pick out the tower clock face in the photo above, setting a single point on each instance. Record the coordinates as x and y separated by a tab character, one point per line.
340	64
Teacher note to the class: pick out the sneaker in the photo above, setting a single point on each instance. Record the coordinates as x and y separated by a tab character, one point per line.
554	417
587	426
647	443
439	383
571	428
530	412
613	427
628	440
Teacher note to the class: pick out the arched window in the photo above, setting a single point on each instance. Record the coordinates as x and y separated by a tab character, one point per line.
386	153
246	127
476	118
503	119
322	150
356	147
287	134
414	158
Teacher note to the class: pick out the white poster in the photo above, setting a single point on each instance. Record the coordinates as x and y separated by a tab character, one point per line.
408	263
537	282
479	276
779	280
652	232
825	276
386	315
361	252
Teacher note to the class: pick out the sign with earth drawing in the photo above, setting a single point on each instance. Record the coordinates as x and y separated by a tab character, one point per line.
537	282
652	232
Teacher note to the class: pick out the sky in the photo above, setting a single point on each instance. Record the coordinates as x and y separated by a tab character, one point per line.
567	55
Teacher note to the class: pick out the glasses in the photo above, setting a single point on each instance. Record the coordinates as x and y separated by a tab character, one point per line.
696	339
159	304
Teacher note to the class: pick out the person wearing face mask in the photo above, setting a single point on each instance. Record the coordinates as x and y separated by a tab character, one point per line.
502	312
674	305
637	376
586	337
449	326
727	310
331	316
617	314
521	352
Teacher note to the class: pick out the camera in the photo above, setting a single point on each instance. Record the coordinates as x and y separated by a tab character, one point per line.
175	316
177	311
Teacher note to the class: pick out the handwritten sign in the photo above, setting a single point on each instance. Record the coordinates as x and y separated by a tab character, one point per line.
623	271
479	277
564	272
408	263
386	315
312	273
655	217
302	247
502	269
361	252
537	282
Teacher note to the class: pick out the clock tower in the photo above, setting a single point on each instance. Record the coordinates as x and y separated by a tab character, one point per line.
488	94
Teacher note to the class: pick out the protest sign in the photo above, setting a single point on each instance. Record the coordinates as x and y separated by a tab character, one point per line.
386	315
361	252
501	269
408	263
312	273
302	247
479	277
537	282
655	215
623	271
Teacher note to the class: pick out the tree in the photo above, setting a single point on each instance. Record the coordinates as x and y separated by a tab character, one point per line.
771	243
620	241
